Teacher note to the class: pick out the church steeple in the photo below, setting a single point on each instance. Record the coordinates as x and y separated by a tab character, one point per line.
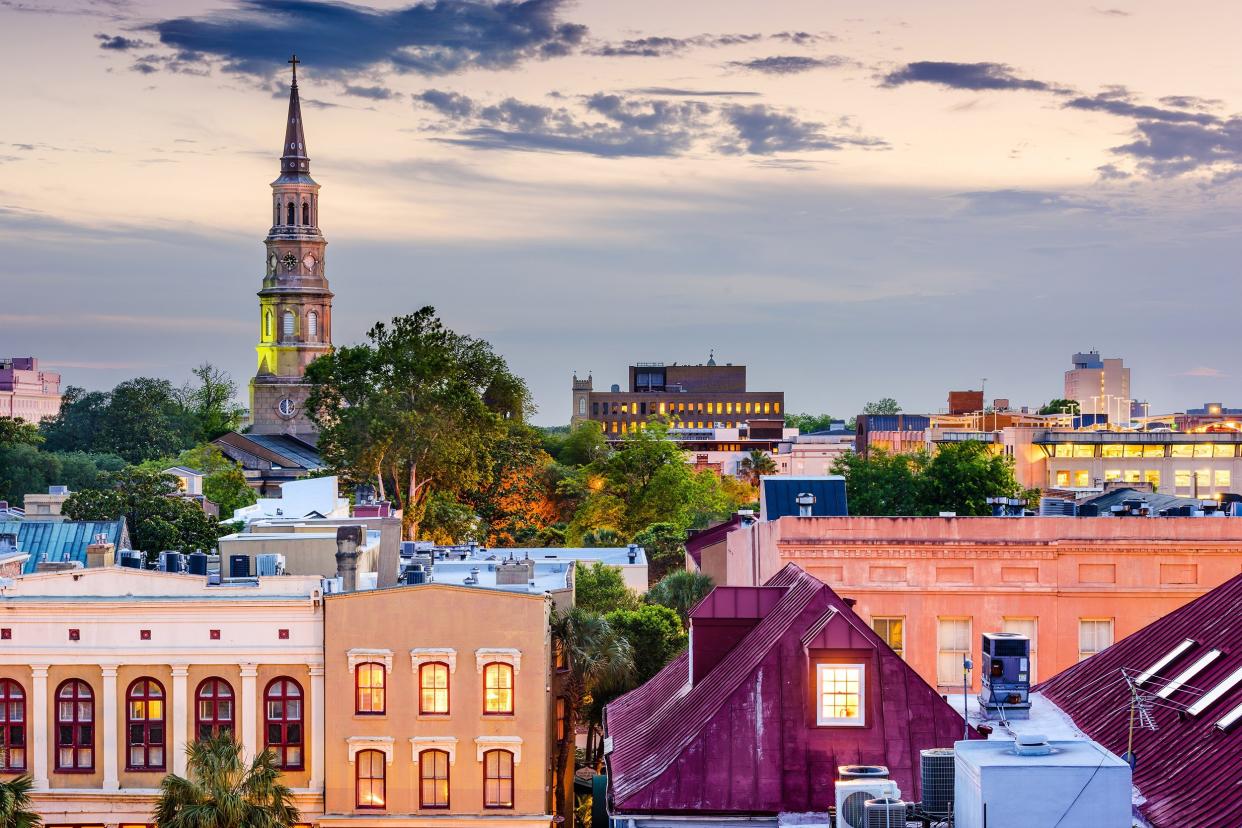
293	156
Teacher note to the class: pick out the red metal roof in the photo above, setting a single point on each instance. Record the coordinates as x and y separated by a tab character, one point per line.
742	740
1189	771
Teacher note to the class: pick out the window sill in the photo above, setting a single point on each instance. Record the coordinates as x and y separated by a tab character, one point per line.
434	717
74	770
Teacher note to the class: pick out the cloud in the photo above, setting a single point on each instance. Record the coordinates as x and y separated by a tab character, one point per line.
375	93
801	38
1161	149
762	130
1110	103
1111	12
1204	371
1190	102
973	76
342	40
662	46
788	64
451	104
1013	201
674	92
120	43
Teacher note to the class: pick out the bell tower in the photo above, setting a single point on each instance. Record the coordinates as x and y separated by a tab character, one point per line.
295	303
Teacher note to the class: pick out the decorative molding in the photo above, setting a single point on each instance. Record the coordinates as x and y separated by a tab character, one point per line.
180	670
248	670
421	655
448	744
363	655
505	655
513	744
380	743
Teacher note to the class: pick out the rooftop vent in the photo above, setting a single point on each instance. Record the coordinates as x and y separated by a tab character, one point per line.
1032	744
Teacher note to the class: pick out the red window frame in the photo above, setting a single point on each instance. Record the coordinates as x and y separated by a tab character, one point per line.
438	763
146	747
364	696
423	689
501	668
284	733
370	760
495	764
211	695
12	726
562	717
77	732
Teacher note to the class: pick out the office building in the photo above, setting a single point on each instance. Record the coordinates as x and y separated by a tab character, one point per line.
26	392
1099	386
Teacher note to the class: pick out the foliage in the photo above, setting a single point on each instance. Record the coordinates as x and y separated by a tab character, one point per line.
583	445
24	469
517	500
655	633
16	807
15	432
680	591
224	484
601	538
1060	406
418	408
884	405
665	545
754	465
882	483
809	423
156	518
221	791
210	403
600	588
446	521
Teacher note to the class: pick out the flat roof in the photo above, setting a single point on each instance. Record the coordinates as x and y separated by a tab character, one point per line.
549	575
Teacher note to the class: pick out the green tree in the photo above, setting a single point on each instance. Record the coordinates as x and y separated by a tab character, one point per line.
809	423
601	538
145	419
19	432
655	633
755	465
516	498
665	546
884	405
210	403
221	791
882	483
224	483
680	591
600	588
960	477
79	424
583	445
16	807
24	469
1060	406
418	408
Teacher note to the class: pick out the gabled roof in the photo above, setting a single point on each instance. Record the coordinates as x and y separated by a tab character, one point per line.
1189	768
282	450
62	540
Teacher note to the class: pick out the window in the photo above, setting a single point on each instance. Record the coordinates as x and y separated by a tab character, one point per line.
582	406
267	325
1112	474
776	408
1152	476
1181	478
953	645
369	682
283	718
1082	478
433	771
1222	450
497	779
1063	479
1028	627
1134	451
1132	475
498	688
560	659
1223	477
433	688
1084	450
562	711
839	695
12	726
312	325
1111	450
1063	450
1182	450
306	213
75	727
1094	635
213	708
370	765
892	630
287	327
1203	450
144	718
289	213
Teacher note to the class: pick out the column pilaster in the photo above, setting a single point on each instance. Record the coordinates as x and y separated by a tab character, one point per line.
108	712
249	709
316	742
180	714
40	726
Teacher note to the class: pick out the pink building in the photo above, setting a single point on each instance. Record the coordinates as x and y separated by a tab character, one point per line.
27	393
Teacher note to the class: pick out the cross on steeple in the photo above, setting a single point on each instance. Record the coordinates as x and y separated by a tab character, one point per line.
293	61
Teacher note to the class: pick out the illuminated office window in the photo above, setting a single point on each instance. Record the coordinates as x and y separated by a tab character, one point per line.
1222	450
1063	450
1084	451
1063	479
1152	476
1223	478
1112	474
1182	450
1153	451
1132	476
1082	478
1111	450
1181	478
1203	450
1133	451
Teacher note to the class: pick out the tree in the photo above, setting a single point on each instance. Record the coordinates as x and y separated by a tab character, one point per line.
419	408
221	791
516	500
882	483
24	469
600	588
960	477
680	591
665	545
16	808
79	424
583	445
15	432
884	405
809	423
754	465
211	403
596	657
224	483
139	419
655	633
1060	406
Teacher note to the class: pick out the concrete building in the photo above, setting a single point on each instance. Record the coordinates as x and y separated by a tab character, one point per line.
1100	386
812	455
630	561
46	506
304	550
930	586
27	393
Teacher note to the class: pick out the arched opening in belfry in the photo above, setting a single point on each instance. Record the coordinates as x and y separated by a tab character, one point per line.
287	330
267	325
312	326
289	214
306	213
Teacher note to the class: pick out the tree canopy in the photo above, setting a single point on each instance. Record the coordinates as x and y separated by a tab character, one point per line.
600	588
884	405
808	423
157	519
1060	406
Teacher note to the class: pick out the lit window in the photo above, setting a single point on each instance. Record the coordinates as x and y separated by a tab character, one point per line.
370	764
498	688
1111	475
213	708
953	644
369	683
1111	450
282	715
1203	450
1152	476
747	408
1222	450
562	711
1063	479
145	721
1133	451
839	692
497	779
892	630
1181	478
433	772
1203	477
662	408
728	408
12	726
1182	450
776	408
1153	451
267	325
1082	478
767	408
1094	635
433	688
1223	477
75	727
1084	451
1132	476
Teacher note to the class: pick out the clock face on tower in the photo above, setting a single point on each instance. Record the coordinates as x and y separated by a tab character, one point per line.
290	261
286	408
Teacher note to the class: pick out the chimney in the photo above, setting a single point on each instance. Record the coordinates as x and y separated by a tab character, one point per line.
632	552
100	552
348	539
512	572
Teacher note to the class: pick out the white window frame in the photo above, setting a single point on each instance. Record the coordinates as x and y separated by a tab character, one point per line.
1112	636
513	744
840	721
363	655
358	744
448	744
504	655
425	655
941	650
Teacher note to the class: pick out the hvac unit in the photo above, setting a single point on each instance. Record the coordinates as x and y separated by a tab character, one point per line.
197	563
131	559
171	561
414	574
852	796
936	775
239	566
862	772
884	813
1005	683
269	564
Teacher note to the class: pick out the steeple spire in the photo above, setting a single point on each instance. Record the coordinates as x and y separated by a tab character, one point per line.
293	157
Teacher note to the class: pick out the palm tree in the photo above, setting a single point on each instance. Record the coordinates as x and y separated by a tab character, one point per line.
755	465
15	804
597	658
680	591
221	791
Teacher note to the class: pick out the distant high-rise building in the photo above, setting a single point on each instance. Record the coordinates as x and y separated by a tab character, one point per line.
1100	386
26	393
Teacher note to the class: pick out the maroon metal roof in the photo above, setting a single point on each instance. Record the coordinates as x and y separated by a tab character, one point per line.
706	537
1189	771
742	739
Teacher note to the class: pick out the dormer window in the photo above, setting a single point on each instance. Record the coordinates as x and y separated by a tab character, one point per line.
840	695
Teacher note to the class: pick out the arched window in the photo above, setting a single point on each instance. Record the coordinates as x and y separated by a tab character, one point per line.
498	779
75	727
213	708
267	325
286	328
582	405
276	212
306	213
369	689
433	771
282	717
289	213
370	765
312	325
144	718
12	726
498	689
433	688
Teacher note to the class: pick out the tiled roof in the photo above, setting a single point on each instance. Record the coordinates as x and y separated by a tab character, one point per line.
60	538
1189	770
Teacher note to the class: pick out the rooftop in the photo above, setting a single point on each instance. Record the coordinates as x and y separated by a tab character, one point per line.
549	576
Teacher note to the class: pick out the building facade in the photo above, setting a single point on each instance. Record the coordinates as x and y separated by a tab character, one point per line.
1099	386
295	302
27	393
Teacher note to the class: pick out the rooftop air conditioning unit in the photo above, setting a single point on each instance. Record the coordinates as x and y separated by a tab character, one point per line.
852	796
270	563
936	773
885	813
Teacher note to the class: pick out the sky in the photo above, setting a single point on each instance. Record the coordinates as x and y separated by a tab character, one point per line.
856	200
